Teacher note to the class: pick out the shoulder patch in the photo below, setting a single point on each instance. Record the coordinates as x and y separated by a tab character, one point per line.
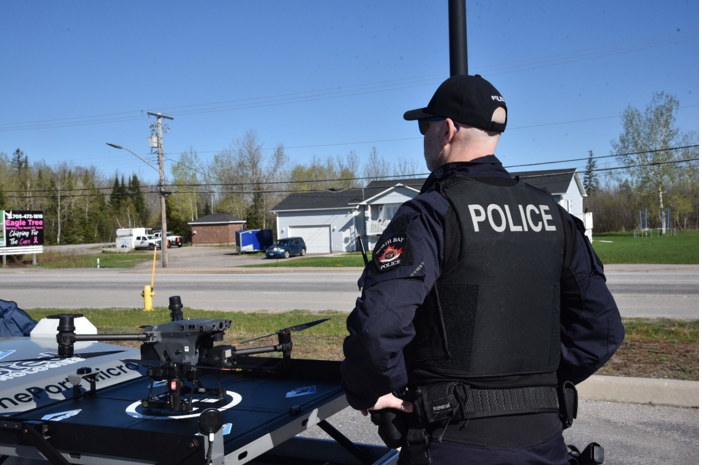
394	250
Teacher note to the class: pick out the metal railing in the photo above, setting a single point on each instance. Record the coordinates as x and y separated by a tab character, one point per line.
376	227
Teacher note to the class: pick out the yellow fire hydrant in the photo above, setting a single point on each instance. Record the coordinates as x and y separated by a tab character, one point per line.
148	292
148	295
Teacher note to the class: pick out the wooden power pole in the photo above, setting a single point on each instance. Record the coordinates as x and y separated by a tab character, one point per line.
162	189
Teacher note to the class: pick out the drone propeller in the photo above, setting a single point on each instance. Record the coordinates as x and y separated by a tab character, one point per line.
297	327
56	357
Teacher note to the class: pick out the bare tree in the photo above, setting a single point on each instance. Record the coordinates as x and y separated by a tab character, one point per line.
247	173
405	168
376	168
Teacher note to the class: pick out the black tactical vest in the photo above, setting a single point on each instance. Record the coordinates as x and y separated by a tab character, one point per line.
494	311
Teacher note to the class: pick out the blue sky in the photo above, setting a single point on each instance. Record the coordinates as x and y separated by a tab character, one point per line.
329	77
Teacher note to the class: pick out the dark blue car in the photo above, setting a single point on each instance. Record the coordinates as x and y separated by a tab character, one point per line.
287	247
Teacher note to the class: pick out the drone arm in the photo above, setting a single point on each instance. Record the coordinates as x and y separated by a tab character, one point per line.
66	339
284	345
111	337
255	350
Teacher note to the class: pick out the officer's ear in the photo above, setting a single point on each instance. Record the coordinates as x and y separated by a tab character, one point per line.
450	128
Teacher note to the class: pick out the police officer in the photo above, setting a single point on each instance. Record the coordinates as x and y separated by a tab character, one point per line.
483	305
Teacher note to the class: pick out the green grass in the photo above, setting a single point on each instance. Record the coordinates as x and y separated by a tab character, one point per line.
111	320
244	325
58	260
662	329
624	248
346	260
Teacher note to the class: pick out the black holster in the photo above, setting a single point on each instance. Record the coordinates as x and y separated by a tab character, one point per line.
392	426
567	403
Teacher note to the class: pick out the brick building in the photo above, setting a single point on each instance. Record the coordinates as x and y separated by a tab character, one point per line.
215	229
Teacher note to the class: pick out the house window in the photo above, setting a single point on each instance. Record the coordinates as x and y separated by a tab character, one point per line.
389	211
566	203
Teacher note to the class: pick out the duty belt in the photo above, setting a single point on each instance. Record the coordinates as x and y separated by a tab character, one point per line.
482	403
457	401
446	402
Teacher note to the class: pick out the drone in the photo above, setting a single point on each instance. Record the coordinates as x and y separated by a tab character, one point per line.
176	353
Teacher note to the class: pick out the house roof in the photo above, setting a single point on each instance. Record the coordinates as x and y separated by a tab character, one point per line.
333	199
381	195
341	199
384	184
217	219
554	181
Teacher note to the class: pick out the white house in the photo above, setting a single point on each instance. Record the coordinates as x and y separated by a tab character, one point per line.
331	221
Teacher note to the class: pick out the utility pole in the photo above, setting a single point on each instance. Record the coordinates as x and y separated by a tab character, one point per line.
458	38
162	189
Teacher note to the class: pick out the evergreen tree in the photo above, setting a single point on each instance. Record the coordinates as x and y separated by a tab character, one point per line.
3	199
138	200
590	180
115	197
176	224
254	213
19	161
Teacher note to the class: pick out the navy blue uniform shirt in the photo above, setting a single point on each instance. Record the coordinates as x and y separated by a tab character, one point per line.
380	325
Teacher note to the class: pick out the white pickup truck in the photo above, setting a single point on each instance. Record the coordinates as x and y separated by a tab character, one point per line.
142	242
173	240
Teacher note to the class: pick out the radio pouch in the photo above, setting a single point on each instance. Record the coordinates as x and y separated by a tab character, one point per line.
436	402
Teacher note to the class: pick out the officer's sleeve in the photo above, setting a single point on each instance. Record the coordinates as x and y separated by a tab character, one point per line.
591	327
403	270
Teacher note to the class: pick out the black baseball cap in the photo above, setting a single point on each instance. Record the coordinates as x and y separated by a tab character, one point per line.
467	99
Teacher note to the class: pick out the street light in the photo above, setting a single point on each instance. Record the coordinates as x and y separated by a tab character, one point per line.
143	160
162	191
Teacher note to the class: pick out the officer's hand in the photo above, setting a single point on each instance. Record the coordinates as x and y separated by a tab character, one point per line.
388	401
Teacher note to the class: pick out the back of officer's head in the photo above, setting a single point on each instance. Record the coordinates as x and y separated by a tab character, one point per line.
469	100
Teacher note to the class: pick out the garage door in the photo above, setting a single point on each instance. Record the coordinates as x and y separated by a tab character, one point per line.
317	237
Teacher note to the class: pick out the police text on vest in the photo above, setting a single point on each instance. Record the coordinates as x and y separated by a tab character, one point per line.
519	219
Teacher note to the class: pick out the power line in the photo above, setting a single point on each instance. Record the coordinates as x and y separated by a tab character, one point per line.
604	157
395	177
68	194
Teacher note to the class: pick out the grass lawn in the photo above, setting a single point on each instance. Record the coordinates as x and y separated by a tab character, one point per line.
624	248
653	348
59	260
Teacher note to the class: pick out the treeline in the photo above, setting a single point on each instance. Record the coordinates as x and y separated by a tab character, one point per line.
658	171
247	181
77	207
82	205
616	206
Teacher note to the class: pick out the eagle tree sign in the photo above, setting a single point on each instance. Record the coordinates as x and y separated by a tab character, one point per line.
22	232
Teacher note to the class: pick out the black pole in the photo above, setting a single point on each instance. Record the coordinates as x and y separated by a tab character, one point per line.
458	40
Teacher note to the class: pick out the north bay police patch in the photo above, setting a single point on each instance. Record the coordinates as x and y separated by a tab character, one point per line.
392	252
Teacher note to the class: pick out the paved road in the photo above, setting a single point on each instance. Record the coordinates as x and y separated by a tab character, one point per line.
630	433
210	280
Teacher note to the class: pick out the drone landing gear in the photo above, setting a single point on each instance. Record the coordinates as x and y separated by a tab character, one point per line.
179	396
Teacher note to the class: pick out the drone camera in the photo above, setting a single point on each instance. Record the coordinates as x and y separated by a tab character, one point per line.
222	356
